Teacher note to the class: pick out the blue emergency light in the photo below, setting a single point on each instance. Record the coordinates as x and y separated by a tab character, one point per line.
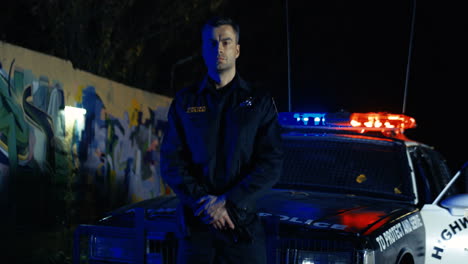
294	119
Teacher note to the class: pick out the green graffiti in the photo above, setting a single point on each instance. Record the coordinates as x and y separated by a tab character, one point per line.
14	132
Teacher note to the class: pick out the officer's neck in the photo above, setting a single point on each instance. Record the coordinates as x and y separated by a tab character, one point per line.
222	78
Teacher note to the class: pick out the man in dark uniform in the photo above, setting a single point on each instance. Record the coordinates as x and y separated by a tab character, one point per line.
221	151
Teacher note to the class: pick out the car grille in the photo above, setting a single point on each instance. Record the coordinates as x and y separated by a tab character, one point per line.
285	250
162	251
281	250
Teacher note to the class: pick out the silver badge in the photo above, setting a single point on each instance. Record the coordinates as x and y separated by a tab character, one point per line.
247	102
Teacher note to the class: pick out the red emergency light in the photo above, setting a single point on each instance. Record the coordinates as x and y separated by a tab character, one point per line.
377	121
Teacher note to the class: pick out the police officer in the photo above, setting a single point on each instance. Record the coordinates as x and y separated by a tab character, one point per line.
220	152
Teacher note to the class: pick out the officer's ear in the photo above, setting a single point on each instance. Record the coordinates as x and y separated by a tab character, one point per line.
237	50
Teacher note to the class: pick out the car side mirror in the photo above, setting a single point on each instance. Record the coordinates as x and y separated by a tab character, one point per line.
457	204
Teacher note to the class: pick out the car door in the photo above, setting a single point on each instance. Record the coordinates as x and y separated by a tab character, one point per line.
445	208
446	235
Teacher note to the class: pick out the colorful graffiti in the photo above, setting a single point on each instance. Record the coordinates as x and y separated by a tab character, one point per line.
79	158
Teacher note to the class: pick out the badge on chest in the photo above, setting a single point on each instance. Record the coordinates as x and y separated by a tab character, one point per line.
196	109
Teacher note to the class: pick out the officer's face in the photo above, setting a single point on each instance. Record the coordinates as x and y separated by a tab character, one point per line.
220	48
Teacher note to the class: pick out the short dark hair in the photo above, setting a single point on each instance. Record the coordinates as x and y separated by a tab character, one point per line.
221	21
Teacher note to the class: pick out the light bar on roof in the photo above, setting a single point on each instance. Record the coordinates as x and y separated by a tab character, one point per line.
360	122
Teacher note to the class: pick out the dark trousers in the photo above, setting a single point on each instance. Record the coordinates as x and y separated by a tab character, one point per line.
204	246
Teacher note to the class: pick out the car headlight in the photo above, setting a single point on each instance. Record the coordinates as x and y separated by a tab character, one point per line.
112	248
366	256
316	257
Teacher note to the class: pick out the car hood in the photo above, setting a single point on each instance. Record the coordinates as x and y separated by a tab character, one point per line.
310	210
324	211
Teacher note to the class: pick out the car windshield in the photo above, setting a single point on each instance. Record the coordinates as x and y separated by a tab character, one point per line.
351	164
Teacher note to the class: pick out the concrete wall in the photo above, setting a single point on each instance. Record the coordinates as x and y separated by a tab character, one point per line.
100	154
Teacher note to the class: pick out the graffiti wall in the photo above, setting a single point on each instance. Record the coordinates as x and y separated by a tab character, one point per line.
72	143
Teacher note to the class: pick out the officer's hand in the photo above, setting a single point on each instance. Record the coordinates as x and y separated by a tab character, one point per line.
205	203
223	222
212	210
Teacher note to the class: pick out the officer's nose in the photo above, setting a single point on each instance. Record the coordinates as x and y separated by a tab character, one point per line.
220	48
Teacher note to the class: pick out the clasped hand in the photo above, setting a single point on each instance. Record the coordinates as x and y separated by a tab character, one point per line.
212	210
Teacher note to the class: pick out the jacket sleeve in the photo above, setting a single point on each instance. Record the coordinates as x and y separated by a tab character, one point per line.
175	161
267	161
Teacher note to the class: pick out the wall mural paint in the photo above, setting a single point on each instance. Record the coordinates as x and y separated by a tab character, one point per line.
120	157
81	162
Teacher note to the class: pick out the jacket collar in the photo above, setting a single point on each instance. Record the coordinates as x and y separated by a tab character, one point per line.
207	84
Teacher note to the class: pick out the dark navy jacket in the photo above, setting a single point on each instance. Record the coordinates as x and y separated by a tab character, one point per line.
249	151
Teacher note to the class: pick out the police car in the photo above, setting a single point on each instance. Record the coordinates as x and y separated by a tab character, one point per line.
354	189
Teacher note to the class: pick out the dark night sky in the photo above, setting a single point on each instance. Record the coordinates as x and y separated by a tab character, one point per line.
352	55
349	55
